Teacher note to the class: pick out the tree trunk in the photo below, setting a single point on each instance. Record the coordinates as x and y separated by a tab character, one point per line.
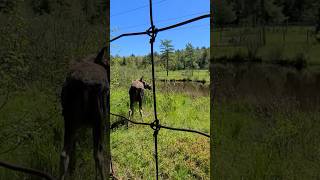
167	63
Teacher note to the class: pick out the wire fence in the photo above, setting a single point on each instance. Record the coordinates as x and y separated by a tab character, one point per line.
155	125
26	170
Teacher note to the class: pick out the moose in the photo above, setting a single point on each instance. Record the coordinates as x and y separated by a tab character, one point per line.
136	93
84	105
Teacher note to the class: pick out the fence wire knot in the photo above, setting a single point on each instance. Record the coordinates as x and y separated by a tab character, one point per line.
152	32
155	125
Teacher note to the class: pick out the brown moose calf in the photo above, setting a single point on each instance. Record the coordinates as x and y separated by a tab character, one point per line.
136	93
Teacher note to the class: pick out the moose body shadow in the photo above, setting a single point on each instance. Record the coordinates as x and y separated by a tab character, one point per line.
84	104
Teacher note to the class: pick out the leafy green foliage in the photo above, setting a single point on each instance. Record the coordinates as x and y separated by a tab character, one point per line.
265	11
223	13
189	58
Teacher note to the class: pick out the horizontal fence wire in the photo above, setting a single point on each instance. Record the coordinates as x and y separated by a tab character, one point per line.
161	126
155	125
161	29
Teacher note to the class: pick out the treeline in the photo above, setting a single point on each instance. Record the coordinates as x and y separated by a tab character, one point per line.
38	38
188	58
266	11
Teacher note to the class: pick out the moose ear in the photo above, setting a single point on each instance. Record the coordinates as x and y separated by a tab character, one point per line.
99	58
141	78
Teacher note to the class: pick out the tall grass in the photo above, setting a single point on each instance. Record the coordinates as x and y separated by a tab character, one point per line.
266	123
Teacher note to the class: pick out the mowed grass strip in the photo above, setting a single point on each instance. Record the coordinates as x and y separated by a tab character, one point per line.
194	75
291	41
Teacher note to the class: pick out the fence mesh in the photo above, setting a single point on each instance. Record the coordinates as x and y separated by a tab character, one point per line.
155	125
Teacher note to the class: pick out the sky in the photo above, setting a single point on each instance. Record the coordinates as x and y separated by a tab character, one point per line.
128	16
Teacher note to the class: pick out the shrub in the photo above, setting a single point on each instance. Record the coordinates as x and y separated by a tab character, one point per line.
300	61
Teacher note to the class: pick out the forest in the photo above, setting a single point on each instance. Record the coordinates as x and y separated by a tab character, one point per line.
257	12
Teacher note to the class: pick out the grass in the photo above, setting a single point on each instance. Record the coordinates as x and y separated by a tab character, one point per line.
266	123
31	129
251	146
295	42
181	155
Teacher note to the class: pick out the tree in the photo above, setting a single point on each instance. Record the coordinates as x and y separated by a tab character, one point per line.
318	22
124	61
203	61
223	13
166	49
189	57
179	60
41	6
8	6
273	12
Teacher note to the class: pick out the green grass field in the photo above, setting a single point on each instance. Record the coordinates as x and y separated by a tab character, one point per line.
280	42
253	146
182	155
196	75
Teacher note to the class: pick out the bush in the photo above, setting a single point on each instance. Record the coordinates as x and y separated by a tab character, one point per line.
300	61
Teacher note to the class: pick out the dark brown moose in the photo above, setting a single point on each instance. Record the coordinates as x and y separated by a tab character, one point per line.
84	105
136	93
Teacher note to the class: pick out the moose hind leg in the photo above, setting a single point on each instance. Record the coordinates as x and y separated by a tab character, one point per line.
140	109
68	149
131	110
98	152
98	134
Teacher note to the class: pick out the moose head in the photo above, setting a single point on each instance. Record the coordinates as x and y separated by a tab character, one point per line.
145	84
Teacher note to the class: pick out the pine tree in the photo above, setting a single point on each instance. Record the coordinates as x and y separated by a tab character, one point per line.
166	49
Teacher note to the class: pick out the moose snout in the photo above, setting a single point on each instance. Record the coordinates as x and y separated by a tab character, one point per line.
148	87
